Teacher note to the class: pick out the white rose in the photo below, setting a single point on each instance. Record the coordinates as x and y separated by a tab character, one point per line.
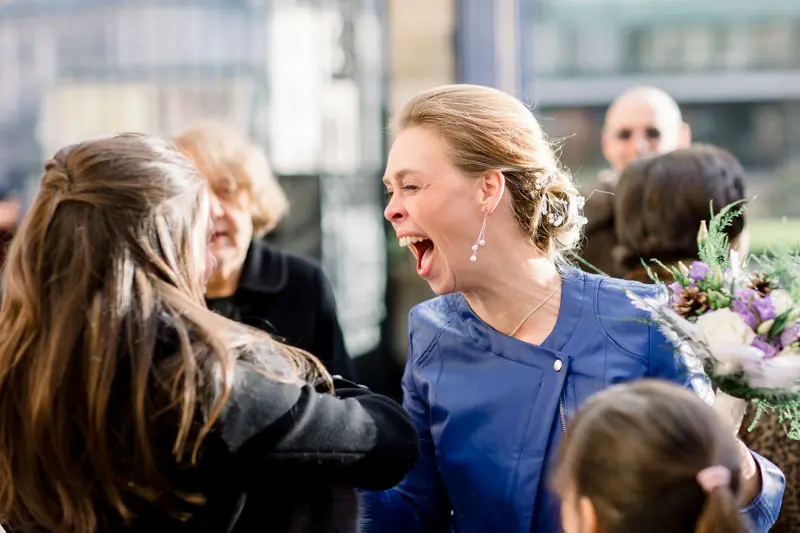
723	326
781	301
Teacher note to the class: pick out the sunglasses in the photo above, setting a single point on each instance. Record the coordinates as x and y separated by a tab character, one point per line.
652	134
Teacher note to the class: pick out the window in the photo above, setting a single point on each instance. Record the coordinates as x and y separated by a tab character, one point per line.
89	43
737	47
554	49
26	52
774	44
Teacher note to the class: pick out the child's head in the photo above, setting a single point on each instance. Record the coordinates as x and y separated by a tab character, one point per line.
648	456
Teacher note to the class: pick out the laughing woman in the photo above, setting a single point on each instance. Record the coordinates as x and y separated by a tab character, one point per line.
517	340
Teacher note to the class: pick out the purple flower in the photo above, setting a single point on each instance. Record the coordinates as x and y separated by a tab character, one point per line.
698	271
746	295
765	346
748	316
763	306
676	289
790	334
741	306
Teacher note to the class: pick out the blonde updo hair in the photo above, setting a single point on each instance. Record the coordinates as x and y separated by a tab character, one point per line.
488	130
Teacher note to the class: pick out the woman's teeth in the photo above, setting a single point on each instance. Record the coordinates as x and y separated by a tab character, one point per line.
408	241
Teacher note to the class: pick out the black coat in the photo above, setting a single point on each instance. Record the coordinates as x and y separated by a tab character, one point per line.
284	459
289	297
301	454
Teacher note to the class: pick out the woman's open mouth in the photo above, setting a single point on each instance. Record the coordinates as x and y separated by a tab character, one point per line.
219	236
423	250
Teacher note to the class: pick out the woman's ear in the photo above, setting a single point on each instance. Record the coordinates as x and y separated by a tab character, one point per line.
491	191
685	136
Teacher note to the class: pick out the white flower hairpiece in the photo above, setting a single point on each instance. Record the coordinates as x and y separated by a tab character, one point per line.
542	181
580	202
556	219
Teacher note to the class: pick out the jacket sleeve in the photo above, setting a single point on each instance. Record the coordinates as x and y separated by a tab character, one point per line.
666	363
329	344
419	504
358	439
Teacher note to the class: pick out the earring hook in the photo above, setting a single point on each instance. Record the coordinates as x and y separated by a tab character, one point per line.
481	240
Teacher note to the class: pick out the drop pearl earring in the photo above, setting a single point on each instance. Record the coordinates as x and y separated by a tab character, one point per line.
481	238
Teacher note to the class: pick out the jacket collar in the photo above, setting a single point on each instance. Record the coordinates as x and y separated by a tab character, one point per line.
265	268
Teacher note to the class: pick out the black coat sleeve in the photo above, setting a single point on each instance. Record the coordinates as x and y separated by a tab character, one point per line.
329	344
356	438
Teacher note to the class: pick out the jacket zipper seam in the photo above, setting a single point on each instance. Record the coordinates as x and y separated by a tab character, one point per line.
561	411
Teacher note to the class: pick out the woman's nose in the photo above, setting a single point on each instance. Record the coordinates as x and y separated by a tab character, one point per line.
217	211
394	212
642	144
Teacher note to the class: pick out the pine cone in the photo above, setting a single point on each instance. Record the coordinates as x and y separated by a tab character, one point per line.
762	284
691	302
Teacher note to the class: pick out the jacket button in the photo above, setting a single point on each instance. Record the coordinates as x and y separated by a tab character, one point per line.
558	365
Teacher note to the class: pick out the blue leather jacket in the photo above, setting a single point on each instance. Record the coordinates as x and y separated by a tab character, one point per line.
490	410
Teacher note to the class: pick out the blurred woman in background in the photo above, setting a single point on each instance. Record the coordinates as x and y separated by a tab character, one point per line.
256	283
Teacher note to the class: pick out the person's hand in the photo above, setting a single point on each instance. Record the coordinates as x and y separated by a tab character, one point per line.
732	411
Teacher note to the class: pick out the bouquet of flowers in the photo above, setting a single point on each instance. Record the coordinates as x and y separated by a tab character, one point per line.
742	327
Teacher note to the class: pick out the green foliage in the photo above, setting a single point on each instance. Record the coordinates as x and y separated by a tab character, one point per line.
787	412
776	268
781	263
780	323
713	243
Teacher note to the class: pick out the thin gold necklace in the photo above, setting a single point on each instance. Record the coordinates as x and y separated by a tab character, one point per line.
516	329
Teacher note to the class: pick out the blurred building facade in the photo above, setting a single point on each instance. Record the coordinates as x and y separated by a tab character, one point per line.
421	46
305	78
733	66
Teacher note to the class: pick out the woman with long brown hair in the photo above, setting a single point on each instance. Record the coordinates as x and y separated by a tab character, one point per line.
126	405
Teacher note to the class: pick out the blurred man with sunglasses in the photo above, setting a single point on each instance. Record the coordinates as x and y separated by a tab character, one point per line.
640	122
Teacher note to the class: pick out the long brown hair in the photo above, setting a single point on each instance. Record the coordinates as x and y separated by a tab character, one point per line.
104	332
635	451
